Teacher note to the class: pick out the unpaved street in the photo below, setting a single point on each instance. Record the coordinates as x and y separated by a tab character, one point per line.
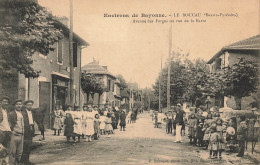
139	144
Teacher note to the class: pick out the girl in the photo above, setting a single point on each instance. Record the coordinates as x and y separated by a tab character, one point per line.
57	125
122	118
221	141
102	123
192	123
108	127
89	127
68	124
206	129
77	117
96	126
213	142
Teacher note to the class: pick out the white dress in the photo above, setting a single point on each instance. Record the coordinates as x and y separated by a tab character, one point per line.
103	123
89	127
77	117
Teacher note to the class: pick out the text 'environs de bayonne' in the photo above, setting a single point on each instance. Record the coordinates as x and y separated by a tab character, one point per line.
154	15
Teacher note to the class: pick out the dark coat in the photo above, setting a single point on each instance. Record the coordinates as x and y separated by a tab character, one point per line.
242	131
12	117
38	117
28	130
122	119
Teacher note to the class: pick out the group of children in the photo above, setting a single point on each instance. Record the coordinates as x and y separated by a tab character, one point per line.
88	123
208	132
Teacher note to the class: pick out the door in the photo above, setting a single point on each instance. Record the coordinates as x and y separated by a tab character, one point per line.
44	101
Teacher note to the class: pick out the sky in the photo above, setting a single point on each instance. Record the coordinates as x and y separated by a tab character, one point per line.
134	50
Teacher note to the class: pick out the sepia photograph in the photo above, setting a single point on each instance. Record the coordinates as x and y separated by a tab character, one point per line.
129	82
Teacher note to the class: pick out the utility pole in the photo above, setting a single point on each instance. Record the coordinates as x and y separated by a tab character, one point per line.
71	55
169	71
160	108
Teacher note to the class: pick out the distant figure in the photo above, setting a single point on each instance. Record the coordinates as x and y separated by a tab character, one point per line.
241	136
122	118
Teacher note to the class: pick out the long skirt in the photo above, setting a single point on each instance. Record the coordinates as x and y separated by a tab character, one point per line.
57	125
89	129
191	132
108	127
122	123
102	125
78	127
97	127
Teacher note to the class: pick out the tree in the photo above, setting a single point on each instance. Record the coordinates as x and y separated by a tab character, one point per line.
92	84
25	28
241	80
122	80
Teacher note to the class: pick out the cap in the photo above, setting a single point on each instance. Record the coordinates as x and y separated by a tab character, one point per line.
28	101
18	100
7	98
179	104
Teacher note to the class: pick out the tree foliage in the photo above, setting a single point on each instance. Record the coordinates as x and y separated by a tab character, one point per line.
190	81
92	84
241	79
25	28
122	80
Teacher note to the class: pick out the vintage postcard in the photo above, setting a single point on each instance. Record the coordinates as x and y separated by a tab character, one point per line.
129	82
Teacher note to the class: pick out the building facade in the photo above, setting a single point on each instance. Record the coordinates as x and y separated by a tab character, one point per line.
51	88
111	97
248	49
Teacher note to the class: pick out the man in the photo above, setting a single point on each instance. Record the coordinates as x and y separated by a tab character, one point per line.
28	130
4	123
17	139
241	136
179	122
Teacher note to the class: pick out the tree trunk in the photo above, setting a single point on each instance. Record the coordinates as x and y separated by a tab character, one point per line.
99	95
87	98
238	100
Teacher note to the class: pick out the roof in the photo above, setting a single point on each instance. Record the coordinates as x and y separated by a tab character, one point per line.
97	69
252	43
66	31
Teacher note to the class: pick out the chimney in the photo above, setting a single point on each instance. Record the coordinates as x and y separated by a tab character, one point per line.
64	20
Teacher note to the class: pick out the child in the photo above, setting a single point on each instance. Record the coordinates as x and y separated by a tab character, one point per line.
68	127
122	120
192	123
96	126
129	117
213	143
102	123
200	134
206	129
108	127
221	141
57	125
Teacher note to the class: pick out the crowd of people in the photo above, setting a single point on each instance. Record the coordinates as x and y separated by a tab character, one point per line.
17	126
205	128
88	123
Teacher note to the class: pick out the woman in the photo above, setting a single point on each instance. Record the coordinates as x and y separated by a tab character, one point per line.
57	125
96	126
122	118
89	127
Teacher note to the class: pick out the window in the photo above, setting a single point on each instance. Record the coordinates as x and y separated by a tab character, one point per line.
113	86
109	84
59	53
75	54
